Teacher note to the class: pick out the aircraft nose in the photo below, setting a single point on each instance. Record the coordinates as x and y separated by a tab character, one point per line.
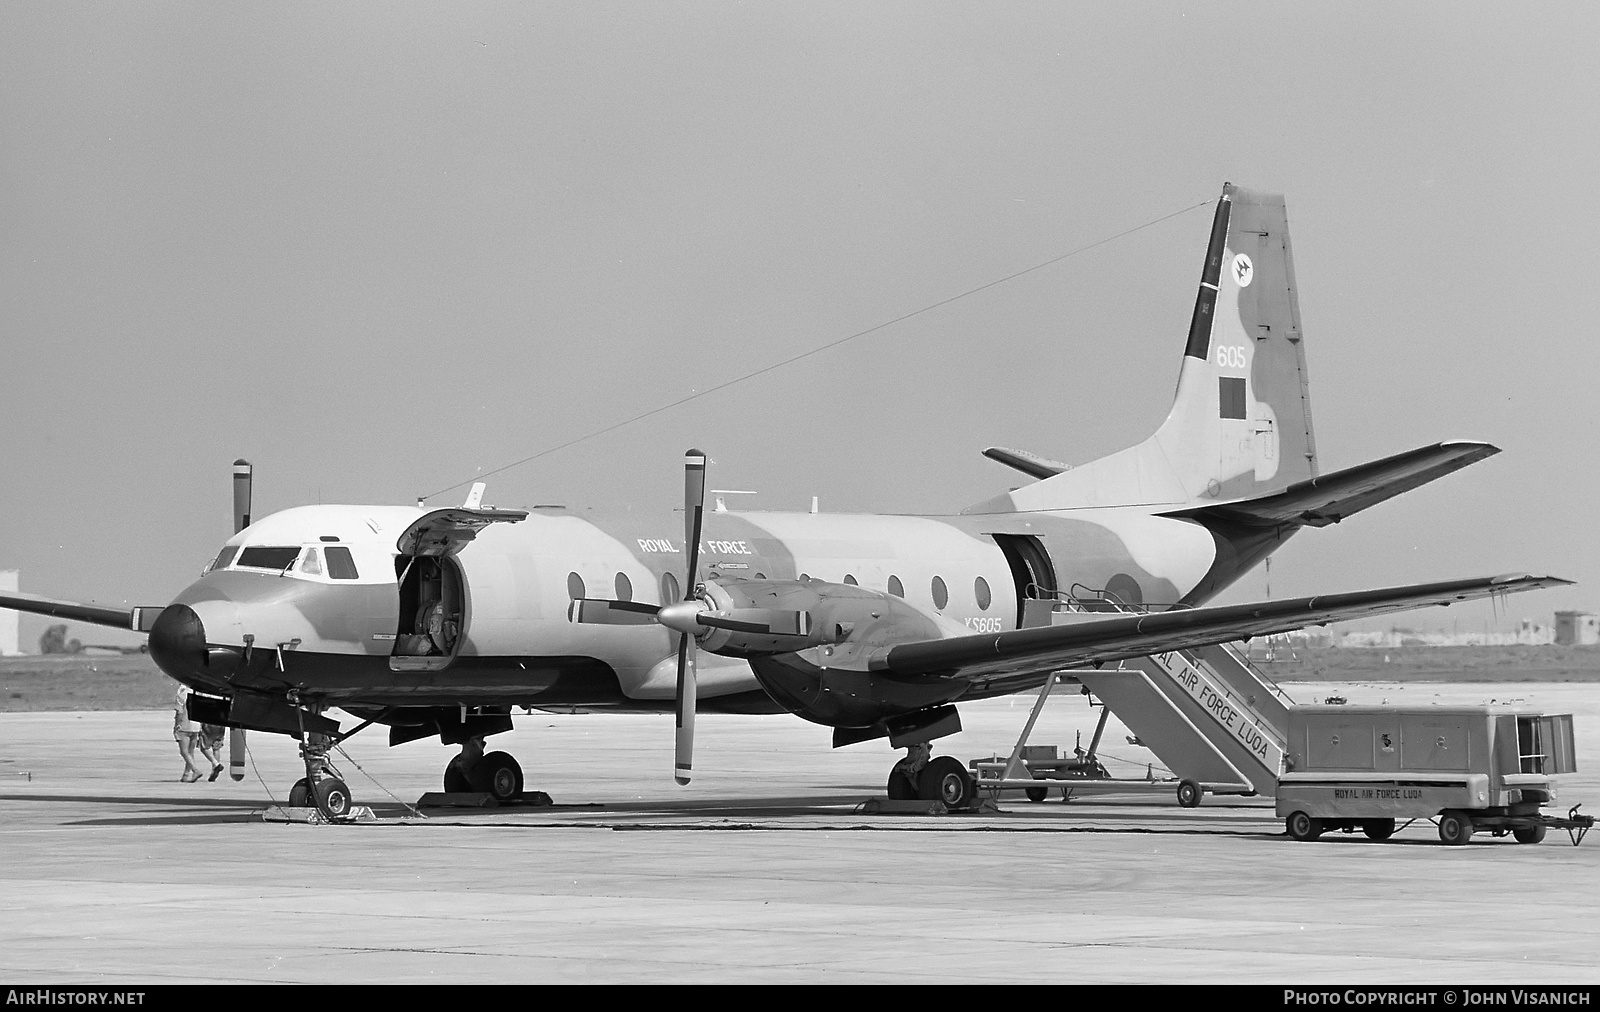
178	642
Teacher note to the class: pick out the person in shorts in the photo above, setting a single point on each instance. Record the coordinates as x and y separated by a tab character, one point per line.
187	734
210	745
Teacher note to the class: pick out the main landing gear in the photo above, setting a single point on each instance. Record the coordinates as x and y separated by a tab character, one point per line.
496	774
919	777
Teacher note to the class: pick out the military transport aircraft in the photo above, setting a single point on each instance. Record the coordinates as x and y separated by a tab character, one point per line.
441	621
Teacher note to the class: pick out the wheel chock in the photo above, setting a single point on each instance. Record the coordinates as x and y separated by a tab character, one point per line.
314	816
481	799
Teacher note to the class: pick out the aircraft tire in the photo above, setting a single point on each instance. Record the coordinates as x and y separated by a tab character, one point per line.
945	779
333	797
1532	834
455	781
499	775
1455	829
300	794
900	787
1378	829
1189	794
1036	793
1303	827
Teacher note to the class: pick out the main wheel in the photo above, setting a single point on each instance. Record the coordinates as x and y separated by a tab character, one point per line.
900	787
1302	827
1455	828
1189	794
333	797
499	775
300	794
455	781
1378	829
1532	834
945	779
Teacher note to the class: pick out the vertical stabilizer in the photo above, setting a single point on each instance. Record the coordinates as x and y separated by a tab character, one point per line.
1240	423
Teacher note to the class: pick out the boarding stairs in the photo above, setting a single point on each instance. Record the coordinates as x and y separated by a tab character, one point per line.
1211	716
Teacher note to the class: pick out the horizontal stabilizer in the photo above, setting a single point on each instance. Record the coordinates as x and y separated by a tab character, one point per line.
94	614
1028	463
1329	498
989	662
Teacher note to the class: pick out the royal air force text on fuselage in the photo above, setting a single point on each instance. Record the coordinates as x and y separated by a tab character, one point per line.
661	546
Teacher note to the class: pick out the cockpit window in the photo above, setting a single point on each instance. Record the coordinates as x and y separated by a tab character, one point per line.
310	563
262	557
341	564
224	557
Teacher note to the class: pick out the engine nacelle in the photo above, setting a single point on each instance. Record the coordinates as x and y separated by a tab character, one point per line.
835	615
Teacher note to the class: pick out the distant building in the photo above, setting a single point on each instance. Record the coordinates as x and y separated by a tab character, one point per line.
8	618
1577	629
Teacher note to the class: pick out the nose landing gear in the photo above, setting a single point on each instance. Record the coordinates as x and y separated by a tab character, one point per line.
323	787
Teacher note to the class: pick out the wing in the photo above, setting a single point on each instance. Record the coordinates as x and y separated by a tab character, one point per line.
1329	498
989	661
136	619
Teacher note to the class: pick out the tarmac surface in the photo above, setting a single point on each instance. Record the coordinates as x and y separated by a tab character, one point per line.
762	870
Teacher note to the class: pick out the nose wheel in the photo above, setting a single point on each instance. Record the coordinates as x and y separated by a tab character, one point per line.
323	787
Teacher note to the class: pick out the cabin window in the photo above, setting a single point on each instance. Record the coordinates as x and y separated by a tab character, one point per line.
851	580
669	589
341	564
941	595
262	557
224	557
624	587
980	590
575	586
895	587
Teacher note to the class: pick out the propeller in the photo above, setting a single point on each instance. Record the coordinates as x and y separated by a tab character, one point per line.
243	481
703	609
694	502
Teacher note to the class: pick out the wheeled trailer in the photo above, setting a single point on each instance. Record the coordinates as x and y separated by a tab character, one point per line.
1467	768
1036	769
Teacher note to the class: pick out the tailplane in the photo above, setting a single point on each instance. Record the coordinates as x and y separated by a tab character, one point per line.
1240	424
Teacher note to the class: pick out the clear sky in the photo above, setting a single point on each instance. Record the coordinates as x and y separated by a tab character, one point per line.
379	248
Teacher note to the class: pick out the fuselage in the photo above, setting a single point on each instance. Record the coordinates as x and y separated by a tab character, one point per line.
320	598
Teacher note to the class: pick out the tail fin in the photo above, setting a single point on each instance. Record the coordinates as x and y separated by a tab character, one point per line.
1240	424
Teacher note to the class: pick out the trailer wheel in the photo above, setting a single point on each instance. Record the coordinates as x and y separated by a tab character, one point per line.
1189	794
1378	829
1532	834
1036	793
1302	826
1455	828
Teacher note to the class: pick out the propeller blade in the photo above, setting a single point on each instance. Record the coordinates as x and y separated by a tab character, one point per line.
244	479
593	611
683	752
694	502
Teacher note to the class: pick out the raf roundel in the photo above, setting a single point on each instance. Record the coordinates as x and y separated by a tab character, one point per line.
1243	270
